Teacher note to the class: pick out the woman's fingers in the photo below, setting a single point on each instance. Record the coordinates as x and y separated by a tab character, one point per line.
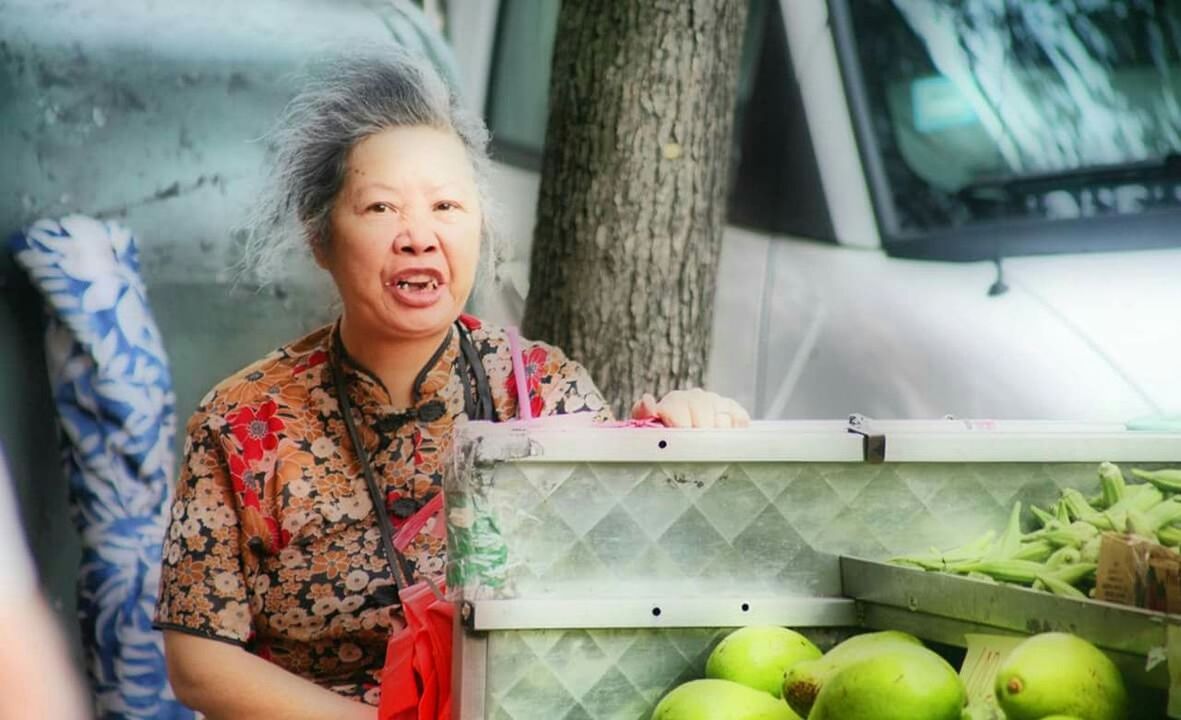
694	408
645	407
703	407
674	410
739	417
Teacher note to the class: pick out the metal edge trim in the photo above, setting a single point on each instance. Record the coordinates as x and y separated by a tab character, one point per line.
469	670
666	612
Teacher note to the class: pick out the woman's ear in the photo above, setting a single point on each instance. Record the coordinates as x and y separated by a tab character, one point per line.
320	252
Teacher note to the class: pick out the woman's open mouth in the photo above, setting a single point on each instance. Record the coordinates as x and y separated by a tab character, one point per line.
416	287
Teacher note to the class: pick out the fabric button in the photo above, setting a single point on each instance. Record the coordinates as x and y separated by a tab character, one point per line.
404	507
432	411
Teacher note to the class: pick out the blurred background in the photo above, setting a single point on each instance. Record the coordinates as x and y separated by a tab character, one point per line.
967	208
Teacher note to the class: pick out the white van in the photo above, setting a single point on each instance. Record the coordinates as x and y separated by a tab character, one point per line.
969	209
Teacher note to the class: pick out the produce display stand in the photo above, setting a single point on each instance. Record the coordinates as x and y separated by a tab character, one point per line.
943	608
594	568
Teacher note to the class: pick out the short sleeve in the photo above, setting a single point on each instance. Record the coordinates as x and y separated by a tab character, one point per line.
202	579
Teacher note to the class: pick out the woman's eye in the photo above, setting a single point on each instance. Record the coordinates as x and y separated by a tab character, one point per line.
380	208
446	205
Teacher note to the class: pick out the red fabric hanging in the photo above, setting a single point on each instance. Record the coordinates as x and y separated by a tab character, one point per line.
416	679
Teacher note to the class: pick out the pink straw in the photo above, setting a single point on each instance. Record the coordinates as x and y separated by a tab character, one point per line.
524	407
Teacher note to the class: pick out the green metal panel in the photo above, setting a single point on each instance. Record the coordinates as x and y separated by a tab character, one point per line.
528	521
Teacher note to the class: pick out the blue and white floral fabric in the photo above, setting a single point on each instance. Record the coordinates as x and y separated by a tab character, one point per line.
115	403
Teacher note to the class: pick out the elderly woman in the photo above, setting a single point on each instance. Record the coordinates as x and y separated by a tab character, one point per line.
278	592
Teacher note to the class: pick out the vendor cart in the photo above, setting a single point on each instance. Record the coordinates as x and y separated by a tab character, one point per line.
595	568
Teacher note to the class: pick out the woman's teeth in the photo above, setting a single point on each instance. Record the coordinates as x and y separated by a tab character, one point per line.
423	285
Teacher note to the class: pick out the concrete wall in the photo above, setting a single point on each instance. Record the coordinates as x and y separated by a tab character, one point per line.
149	113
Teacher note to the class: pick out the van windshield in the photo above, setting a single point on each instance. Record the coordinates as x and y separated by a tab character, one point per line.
986	110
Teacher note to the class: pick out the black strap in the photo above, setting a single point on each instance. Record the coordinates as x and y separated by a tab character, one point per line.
472	368
485	408
383	521
470	399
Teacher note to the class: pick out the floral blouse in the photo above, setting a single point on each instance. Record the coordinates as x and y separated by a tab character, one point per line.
272	543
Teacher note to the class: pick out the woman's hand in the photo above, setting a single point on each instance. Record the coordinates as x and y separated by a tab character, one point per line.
695	408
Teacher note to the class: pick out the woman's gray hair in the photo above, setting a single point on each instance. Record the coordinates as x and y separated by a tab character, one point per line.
342	102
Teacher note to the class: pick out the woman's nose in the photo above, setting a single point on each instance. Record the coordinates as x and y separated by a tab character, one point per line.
415	238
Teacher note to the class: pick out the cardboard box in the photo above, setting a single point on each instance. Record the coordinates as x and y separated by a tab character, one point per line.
1138	572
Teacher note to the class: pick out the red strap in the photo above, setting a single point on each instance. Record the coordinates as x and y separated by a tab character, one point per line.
415	523
524	404
471	322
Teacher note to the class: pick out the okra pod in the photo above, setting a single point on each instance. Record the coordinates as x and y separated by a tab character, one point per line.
1045	518
1076	504
1061	512
1037	551
1079	509
1072	574
1010	541
973	550
1089	553
1164	513
1167	479
1073	535
982	577
1169	535
1064	556
1114	520
1139	524
1058	587
916	563
1022	572
1139	497
1111	480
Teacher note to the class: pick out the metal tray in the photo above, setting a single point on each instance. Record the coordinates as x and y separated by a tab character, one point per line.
943	608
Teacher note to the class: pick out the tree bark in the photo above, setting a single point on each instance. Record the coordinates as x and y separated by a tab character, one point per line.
633	189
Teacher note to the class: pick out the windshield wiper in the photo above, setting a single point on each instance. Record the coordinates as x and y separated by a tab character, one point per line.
1167	167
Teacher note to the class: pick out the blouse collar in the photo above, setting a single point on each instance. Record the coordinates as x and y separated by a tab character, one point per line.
366	389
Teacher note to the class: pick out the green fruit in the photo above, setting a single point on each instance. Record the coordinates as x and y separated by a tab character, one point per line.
906	682
982	711
805	679
720	700
1060	674
758	656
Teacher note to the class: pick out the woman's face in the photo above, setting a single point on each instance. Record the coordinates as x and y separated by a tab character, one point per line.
405	233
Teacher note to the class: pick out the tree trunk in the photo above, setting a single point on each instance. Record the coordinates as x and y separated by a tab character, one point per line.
633	189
